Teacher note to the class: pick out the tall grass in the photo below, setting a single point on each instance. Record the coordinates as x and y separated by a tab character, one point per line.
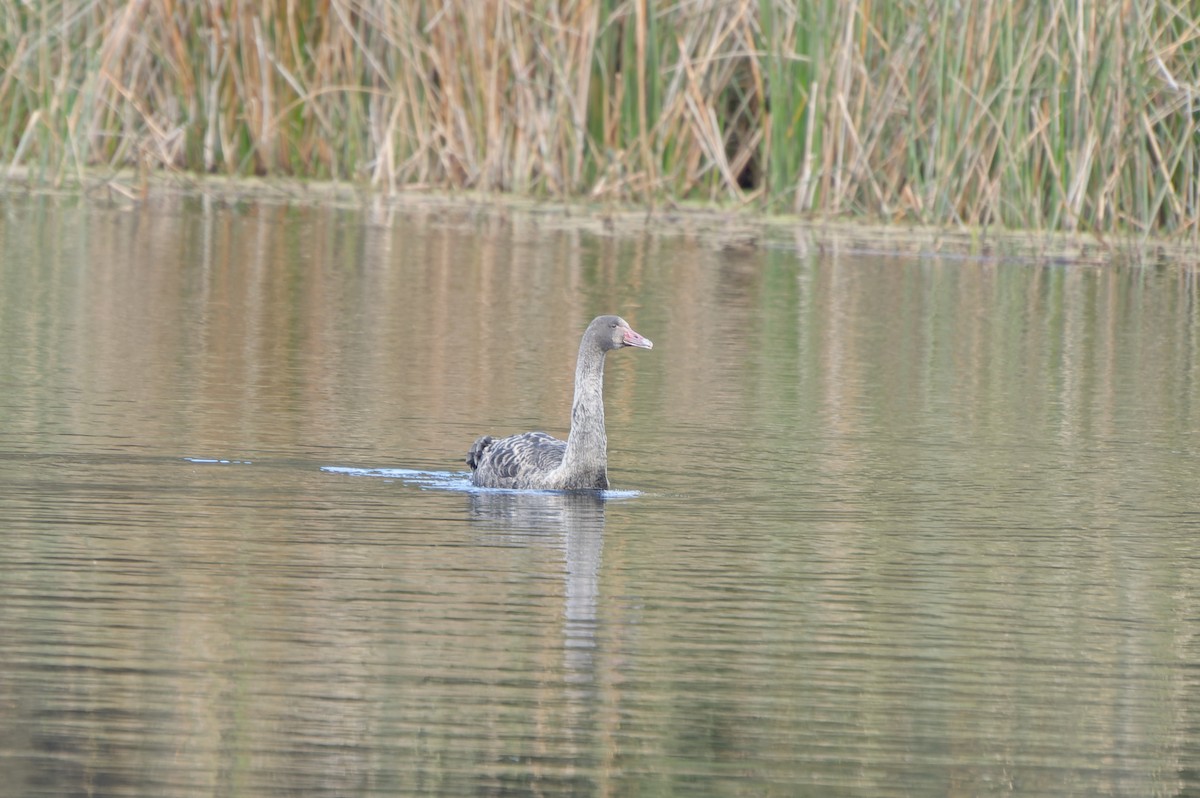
1049	114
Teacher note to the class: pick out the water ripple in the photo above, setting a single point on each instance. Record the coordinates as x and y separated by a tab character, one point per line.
457	481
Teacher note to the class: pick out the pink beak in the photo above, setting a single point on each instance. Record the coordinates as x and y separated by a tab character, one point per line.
632	338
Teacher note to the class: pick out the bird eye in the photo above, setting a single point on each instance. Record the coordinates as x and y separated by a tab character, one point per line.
612	324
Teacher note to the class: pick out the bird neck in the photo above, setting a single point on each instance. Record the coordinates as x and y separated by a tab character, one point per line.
587	444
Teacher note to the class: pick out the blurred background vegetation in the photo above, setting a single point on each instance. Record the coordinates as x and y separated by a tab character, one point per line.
1034	114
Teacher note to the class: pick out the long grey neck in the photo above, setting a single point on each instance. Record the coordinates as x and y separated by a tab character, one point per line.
587	445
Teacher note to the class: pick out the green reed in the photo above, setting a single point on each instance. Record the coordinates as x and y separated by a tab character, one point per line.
1038	115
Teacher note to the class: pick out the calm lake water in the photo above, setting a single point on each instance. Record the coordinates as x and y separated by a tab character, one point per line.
884	525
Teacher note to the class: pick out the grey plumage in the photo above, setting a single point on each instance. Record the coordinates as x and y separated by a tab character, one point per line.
535	460
509	457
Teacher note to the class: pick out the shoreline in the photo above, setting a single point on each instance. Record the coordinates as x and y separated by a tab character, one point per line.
731	230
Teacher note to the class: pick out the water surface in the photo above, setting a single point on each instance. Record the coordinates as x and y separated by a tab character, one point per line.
882	524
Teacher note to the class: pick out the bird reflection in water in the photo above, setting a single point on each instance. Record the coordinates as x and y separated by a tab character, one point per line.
572	521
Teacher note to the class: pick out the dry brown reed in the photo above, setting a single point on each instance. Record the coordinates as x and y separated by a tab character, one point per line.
1042	115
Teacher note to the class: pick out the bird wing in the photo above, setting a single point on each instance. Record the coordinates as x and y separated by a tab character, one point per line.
507	462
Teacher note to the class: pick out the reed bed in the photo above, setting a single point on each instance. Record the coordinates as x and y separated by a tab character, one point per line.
1034	114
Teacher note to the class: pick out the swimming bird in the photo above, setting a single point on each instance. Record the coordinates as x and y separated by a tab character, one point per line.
537	461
